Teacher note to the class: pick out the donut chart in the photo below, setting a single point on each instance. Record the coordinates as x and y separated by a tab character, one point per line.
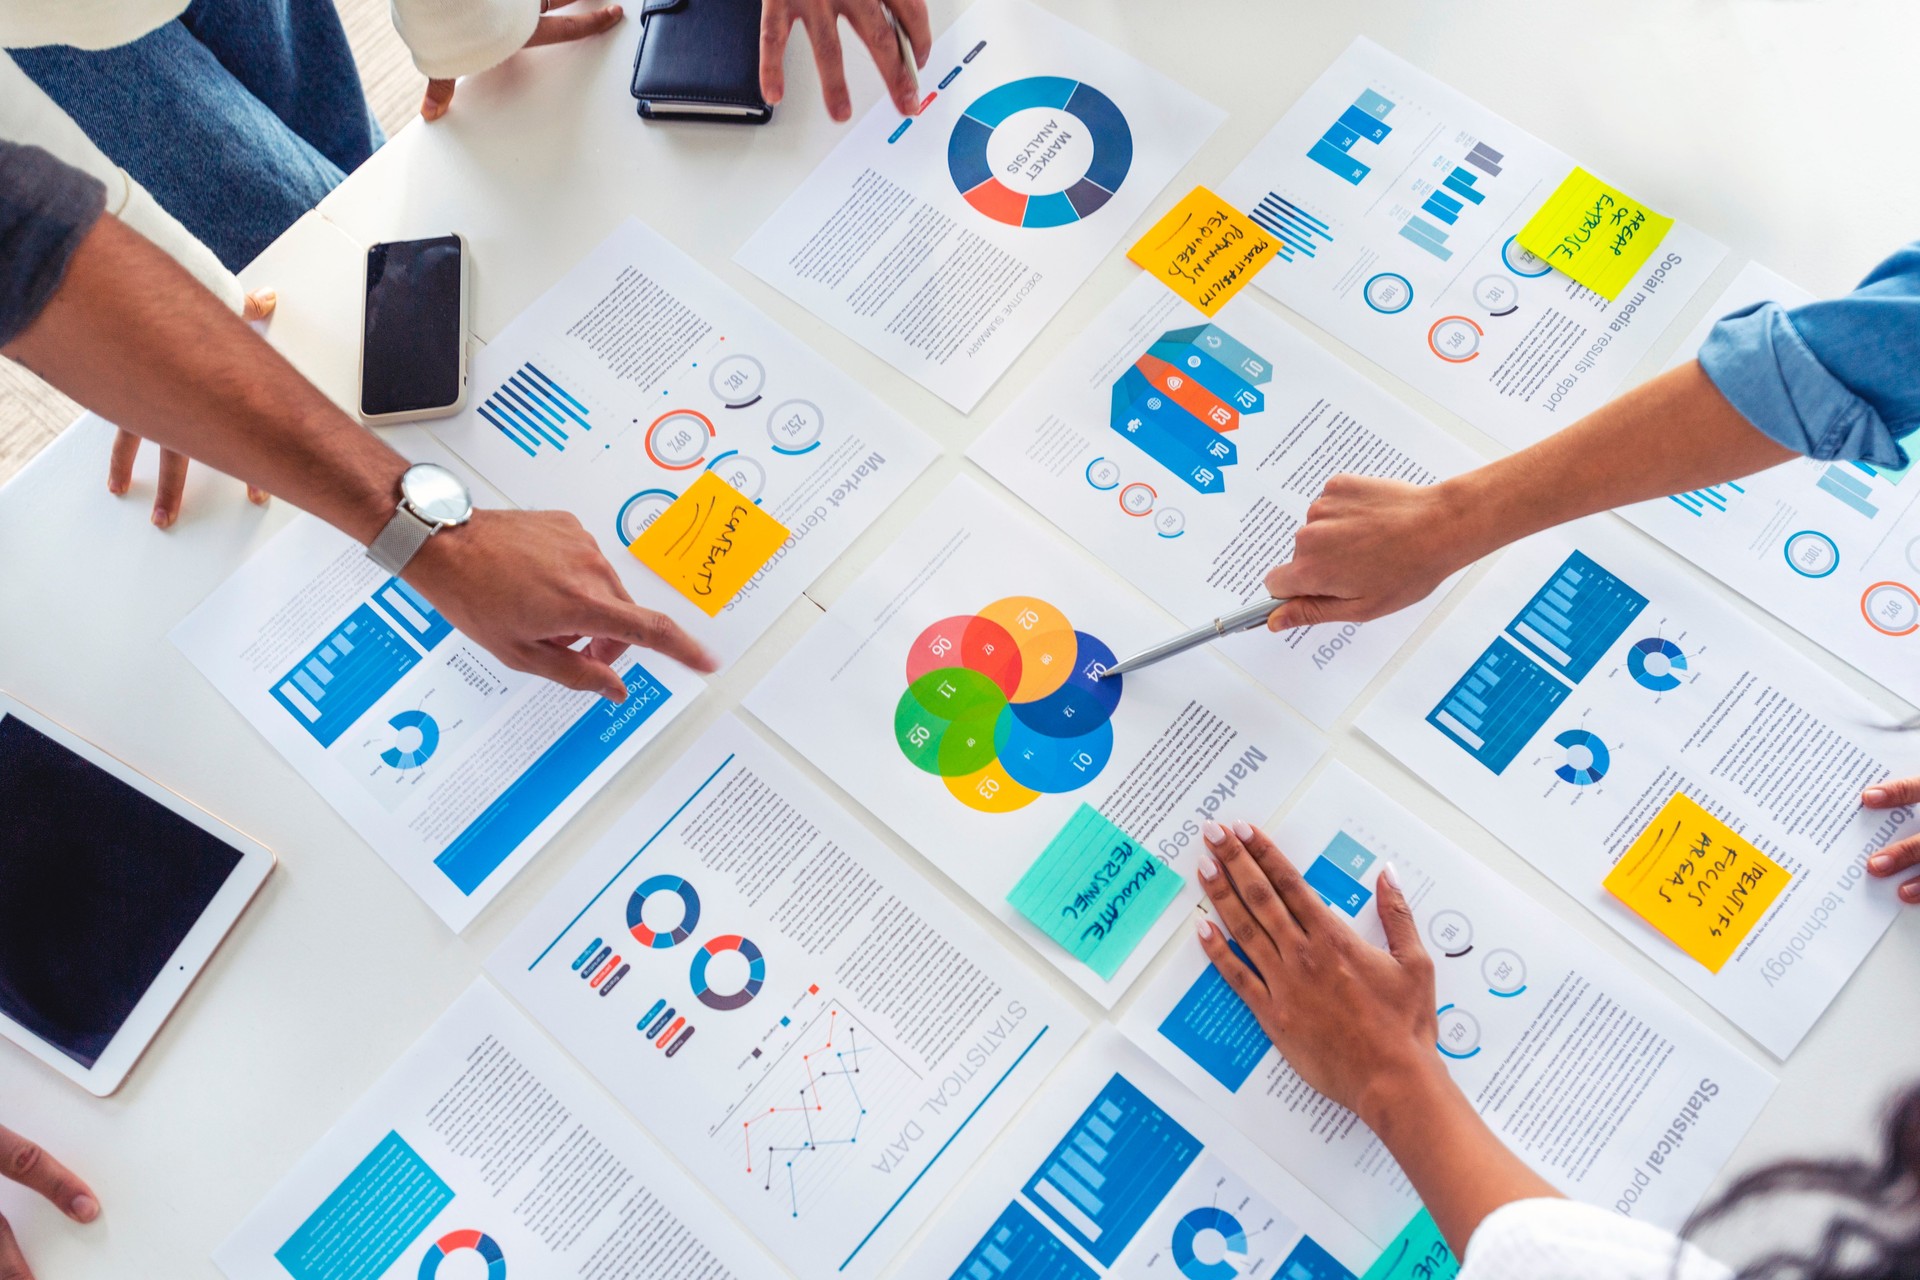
453	1242
1652	662
1196	1225
647	936
1006	705
1587	757
429	731
746	950
973	173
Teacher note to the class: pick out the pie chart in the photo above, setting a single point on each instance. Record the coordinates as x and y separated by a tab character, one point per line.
453	1242
1044	151
726	944
426	735
1202	1241
1652	662
1587	757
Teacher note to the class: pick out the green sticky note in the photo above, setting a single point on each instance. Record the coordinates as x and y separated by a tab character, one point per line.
1095	890
1594	232
1419	1252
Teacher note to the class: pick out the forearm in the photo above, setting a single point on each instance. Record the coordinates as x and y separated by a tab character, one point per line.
1672	434
1458	1166
134	338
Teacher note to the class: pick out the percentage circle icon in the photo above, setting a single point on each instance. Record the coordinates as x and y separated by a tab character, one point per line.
1891	608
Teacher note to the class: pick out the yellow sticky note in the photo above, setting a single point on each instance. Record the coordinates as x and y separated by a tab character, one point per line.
1697	881
1595	233
709	542
1205	250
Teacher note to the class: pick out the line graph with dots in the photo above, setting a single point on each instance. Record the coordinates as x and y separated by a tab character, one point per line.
812	1108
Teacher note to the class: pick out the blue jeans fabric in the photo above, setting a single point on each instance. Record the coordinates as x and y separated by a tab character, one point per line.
238	116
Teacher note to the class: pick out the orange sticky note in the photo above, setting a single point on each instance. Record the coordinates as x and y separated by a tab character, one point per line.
1697	881
1205	250
709	542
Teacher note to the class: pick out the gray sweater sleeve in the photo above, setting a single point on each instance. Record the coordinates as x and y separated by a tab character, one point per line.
46	209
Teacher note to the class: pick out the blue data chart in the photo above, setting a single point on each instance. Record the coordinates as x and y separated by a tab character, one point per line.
345	674
1213	1224
1364	121
1708	501
1298	231
1309	1261
1577	616
1112	1169
1497	707
535	412
1652	661
1457	193
424	731
410	611
1018	1247
368	1222
1216	1030
1335	874
1587	758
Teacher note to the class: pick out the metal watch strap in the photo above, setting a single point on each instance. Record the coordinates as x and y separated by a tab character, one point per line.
404	535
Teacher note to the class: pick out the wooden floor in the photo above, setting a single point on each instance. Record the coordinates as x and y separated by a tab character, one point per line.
33	413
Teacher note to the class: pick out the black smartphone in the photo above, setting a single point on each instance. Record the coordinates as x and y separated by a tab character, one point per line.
413	330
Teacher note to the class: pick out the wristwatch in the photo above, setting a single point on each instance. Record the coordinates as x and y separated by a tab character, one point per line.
431	499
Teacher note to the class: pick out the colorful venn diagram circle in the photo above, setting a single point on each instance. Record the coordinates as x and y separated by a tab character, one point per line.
1045	151
1006	705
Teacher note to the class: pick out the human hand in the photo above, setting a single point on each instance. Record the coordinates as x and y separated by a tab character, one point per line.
173	466
31	1167
527	585
1357	1023
868	18
1901	855
1370	547
549	30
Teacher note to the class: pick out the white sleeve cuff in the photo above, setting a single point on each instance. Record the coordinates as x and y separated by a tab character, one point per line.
1567	1240
454	38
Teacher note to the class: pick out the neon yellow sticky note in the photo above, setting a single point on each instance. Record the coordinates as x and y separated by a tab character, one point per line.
1697	881
1595	233
1205	250
709	542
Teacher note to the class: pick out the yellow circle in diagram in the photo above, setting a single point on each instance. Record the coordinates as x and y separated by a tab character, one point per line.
991	790
1046	641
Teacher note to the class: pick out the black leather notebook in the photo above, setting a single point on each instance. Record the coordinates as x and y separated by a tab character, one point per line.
700	60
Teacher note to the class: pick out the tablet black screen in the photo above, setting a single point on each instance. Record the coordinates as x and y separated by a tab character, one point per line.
98	885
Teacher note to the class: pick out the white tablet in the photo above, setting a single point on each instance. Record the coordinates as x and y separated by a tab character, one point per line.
113	893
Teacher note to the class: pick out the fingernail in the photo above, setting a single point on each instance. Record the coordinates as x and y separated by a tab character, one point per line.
258	497
1244	830
1874	795
1212	832
1204	929
1910	891
1880	863
1208	867
84	1208
1388	874
115	488
162	517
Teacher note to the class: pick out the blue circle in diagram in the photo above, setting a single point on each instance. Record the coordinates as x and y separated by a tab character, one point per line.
429	733
1187	1233
1652	662
1103	474
756	971
647	936
1050	765
453	1242
973	173
1587	757
1812	554
1389	293
1523	261
636	511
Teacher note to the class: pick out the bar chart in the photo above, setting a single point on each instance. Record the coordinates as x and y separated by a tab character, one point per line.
1112	1169
1497	707
1577	616
1445	203
1298	231
1701	502
1853	484
1364	121
346	673
1335	874
1018	1247
534	411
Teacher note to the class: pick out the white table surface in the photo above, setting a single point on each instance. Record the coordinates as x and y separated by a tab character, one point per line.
1777	127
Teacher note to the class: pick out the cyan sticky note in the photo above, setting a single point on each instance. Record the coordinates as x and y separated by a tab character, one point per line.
1095	890
1419	1252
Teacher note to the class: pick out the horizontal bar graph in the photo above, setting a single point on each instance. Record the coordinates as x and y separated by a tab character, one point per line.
1577	616
534	412
345	674
1017	1247
1498	706
1840	481
1700	502
1485	159
1462	184
1427	236
1364	121
1299	232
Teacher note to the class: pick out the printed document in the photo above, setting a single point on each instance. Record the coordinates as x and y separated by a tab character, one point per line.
1184	451
807	1024
954	691
1604	1086
1583	684
943	242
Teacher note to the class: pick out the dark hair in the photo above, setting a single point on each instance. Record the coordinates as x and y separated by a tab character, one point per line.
1876	1234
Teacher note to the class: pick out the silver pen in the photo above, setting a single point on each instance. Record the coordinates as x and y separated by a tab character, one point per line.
1245	618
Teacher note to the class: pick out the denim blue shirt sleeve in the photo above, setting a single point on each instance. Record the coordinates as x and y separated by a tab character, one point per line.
46	209
1832	379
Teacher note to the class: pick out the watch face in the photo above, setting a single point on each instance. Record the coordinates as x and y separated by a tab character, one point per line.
436	494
